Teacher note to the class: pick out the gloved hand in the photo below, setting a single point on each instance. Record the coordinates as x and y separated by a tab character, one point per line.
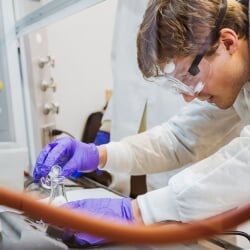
118	209
71	154
102	137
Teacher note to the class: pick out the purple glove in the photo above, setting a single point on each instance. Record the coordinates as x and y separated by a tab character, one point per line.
114	209
102	137
71	154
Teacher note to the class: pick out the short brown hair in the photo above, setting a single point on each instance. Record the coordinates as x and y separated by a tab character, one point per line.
178	28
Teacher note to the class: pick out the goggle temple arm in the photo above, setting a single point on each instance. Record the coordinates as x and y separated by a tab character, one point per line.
194	69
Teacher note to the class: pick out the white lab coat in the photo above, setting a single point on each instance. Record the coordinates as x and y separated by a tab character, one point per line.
212	185
131	93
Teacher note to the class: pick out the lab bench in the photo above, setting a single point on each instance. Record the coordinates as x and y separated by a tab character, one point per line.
18	231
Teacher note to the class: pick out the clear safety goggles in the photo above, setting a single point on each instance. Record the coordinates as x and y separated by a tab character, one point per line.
182	78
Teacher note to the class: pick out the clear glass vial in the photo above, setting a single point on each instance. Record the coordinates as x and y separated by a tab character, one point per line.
55	182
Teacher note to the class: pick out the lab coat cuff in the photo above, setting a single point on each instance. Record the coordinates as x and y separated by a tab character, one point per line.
117	158
158	205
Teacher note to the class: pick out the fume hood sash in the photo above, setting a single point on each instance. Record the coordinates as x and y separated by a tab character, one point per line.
51	12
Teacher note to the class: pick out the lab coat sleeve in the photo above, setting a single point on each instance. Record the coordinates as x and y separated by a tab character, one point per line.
209	187
197	131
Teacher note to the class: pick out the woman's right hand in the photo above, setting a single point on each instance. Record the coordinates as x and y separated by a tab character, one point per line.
70	154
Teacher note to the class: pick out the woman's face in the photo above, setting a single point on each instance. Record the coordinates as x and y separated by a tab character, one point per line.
227	74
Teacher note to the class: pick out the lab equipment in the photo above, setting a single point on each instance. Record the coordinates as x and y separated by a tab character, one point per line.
51	107
54	173
49	60
115	209
71	154
55	182
45	85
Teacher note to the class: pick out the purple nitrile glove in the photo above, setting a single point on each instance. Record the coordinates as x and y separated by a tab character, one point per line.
71	154
115	209
102	137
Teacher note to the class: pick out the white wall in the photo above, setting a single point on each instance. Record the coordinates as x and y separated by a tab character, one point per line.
81	45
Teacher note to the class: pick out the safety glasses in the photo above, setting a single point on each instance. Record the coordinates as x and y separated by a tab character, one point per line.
191	80
179	80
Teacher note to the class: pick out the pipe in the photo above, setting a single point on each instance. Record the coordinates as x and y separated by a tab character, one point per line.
121	232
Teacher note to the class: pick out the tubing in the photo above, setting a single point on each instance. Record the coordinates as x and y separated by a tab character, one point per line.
121	232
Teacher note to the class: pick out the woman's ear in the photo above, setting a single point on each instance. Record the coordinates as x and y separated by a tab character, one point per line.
230	39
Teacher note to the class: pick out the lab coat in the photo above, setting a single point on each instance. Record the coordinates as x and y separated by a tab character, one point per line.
132	95
218	181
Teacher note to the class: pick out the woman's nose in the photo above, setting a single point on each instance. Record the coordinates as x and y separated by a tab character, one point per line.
188	98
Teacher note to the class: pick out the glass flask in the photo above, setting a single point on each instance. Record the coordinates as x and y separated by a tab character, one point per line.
55	183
